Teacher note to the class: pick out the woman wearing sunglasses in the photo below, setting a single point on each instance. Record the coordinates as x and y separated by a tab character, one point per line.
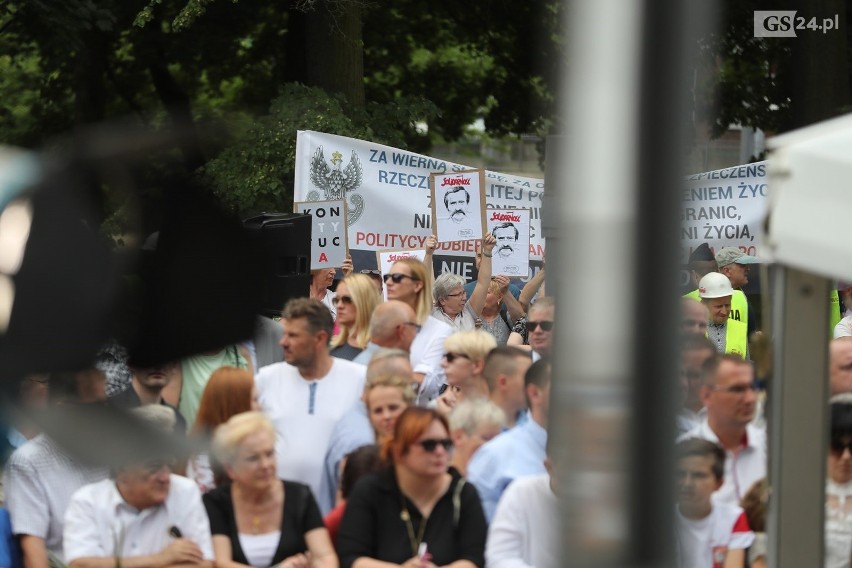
410	281
838	488
355	300
418	513
463	362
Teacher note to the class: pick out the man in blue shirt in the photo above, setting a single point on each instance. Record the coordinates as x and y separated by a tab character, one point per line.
518	452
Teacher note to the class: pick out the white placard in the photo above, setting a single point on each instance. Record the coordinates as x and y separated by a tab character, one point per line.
328	232
458	205
511	228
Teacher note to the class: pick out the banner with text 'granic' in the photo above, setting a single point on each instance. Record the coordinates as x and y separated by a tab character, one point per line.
389	204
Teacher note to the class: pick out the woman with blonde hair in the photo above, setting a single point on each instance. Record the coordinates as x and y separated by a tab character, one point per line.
386	397
355	300
258	520
230	391
410	281
463	362
419	513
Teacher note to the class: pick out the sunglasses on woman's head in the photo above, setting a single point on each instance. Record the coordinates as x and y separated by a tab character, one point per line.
344	299
545	325
396	277
431	444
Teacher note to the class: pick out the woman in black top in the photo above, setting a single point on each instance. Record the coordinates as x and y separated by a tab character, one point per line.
258	520
417	513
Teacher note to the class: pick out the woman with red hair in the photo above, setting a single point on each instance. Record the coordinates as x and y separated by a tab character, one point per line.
230	391
419	513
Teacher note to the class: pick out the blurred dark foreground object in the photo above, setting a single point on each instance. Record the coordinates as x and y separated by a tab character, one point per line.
197	292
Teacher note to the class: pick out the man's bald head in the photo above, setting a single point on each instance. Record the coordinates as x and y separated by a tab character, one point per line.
694	316
840	365
389	362
387	322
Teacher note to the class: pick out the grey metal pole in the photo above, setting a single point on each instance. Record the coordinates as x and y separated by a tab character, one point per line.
798	427
612	422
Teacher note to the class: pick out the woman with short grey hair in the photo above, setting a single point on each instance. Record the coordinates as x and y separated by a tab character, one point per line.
452	305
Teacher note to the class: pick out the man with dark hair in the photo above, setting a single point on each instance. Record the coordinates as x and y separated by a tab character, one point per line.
307	393
728	392
456	200
507	235
504	372
518	452
40	477
146	387
708	534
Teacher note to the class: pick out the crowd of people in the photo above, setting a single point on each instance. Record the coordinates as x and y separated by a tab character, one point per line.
721	449
409	431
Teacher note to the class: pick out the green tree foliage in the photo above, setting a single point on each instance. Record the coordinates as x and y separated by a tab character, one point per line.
256	173
774	84
266	70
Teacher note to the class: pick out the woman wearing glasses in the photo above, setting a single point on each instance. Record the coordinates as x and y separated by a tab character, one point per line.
463	362
452	306
257	519
410	281
417	513
355	300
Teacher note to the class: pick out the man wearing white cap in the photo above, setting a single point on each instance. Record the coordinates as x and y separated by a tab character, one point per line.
734	264
727	334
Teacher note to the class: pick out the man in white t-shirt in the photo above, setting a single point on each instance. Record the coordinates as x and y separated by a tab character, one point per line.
307	393
729	395
709	535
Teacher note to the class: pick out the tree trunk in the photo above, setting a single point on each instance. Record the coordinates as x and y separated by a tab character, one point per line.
334	49
89	71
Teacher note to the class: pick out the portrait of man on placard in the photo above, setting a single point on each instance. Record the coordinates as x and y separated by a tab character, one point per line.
457	203
507	235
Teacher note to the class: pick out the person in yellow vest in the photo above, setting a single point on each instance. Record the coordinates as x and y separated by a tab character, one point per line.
701	262
734	264
728	335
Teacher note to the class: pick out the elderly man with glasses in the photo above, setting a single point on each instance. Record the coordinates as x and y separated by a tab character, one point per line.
144	516
729	395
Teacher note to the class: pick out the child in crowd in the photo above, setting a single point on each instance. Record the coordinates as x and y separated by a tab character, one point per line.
708	535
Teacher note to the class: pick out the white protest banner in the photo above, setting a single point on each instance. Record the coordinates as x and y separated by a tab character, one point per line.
386	258
458	205
723	208
511	228
388	195
328	231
